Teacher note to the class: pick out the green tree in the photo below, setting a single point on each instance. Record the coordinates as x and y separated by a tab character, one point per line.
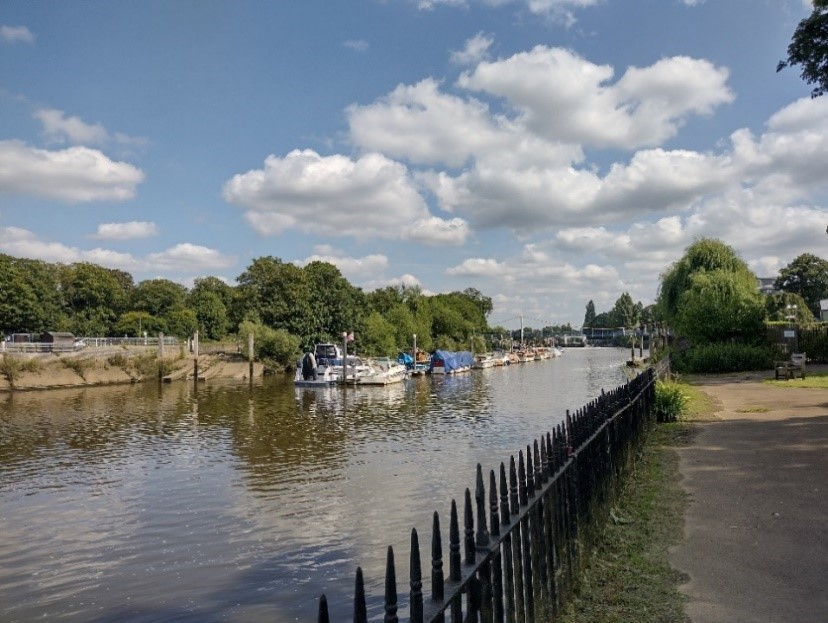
182	322
807	276
710	295
277	293
210	312
337	305
95	297
625	311
21	310
158	297
720	306
136	323
589	316
809	49
377	337
780	308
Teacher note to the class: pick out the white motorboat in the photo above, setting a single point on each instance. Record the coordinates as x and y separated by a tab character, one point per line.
382	371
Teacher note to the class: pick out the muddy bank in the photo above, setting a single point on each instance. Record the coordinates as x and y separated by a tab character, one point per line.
90	367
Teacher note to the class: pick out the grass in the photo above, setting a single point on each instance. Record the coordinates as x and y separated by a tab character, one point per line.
817	380
629	578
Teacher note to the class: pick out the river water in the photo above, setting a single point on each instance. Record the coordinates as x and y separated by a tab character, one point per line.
244	502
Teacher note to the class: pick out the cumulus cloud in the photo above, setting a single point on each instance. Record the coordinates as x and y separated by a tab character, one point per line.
73	175
372	197
424	125
353	268
125	231
16	34
564	97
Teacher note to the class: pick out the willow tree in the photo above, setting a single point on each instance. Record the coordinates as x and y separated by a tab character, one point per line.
710	295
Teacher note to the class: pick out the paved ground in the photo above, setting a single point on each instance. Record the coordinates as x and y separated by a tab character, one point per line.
756	532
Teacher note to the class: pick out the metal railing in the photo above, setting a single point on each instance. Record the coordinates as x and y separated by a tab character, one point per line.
523	543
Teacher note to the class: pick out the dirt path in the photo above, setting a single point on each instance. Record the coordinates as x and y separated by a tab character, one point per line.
756	532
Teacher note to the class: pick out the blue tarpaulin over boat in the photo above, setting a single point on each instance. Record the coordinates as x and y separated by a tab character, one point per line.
406	360
452	361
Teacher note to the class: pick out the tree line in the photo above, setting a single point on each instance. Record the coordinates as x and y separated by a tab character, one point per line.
288	308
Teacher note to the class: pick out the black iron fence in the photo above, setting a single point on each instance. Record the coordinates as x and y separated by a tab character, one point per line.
809	339
521	547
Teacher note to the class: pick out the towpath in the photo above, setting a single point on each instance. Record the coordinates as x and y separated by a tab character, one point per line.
756	533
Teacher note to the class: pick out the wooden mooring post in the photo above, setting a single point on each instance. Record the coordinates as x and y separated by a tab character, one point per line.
250	354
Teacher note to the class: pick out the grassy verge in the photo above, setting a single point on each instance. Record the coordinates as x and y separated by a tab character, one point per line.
629	578
817	380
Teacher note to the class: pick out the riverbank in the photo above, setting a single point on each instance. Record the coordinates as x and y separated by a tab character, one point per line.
724	516
115	365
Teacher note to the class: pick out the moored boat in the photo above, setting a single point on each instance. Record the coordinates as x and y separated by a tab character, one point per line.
449	362
382	371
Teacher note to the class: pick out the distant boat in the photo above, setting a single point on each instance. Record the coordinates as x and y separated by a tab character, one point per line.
448	362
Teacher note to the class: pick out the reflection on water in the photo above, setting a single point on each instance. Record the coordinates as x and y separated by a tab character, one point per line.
244	502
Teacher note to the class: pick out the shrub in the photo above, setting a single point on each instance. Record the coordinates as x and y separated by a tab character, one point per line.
670	401
79	366
12	367
721	358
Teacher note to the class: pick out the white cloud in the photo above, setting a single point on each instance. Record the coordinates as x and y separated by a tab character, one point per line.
189	257
125	231
16	34
372	197
58	126
434	231
353	268
421	124
73	175
475	50
24	243
184	257
564	97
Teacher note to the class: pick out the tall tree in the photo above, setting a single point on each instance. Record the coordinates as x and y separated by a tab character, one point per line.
589	316
95	297
807	276
809	49
625	311
278	294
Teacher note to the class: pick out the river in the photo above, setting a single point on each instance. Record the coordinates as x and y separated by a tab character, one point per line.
244	502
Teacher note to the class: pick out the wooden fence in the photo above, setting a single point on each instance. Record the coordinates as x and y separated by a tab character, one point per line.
522	545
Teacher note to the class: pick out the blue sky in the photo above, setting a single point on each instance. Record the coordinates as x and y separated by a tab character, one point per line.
545	152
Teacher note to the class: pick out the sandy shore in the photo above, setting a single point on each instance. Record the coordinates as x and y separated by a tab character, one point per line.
109	366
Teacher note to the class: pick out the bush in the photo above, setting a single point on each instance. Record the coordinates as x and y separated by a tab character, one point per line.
80	365
275	347
721	358
670	401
